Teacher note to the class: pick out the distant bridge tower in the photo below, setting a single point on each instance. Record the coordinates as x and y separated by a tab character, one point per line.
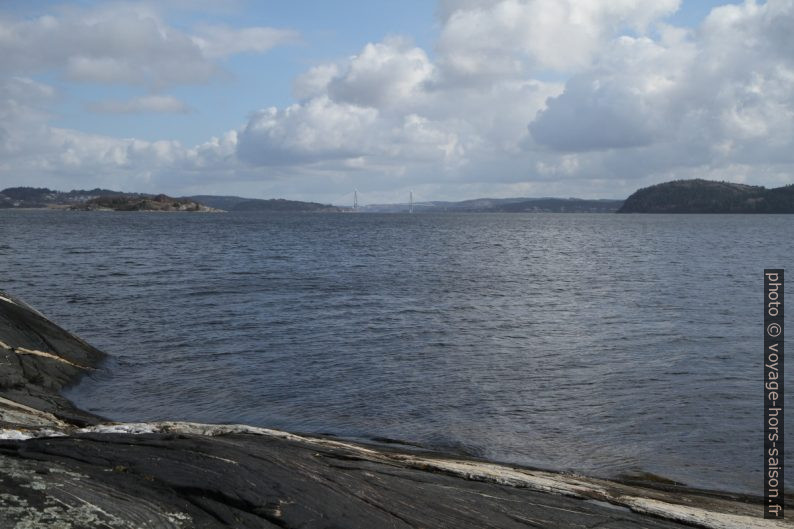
355	200
410	202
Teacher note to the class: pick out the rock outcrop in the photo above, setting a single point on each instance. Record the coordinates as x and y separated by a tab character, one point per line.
142	203
62	467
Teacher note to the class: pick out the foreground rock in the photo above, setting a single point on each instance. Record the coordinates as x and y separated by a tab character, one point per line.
61	467
37	359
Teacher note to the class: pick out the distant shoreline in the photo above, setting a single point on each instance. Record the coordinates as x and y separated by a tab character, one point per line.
679	197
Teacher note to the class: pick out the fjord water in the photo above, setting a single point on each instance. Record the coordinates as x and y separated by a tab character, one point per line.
603	344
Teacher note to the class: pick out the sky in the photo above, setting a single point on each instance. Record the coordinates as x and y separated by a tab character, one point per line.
451	100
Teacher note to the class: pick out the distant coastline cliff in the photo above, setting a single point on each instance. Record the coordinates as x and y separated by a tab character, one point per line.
109	200
705	196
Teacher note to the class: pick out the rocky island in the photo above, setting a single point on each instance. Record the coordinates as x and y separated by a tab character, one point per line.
142	203
706	196
64	467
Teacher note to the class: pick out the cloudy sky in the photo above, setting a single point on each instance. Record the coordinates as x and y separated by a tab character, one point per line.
452	100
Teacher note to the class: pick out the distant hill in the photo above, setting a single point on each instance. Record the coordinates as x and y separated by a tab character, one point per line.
42	197
221	202
103	199
706	196
562	205
232	203
506	205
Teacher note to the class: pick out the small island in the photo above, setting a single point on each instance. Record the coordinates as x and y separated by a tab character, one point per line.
95	200
706	196
142	203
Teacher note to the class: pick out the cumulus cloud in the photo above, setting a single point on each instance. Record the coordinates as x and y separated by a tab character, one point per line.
724	93
126	44
383	74
623	101
518	97
41	154
383	109
112	43
507	37
322	130
23	110
151	103
319	129
314	81
394	83
636	108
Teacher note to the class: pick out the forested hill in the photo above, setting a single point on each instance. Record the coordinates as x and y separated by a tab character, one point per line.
231	203
42	197
706	196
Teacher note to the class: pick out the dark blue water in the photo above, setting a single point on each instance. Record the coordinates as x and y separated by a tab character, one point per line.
603	344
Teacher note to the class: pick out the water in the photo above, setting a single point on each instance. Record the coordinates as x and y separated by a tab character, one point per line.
602	344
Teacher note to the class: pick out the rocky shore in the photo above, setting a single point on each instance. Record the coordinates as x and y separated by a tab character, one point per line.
66	468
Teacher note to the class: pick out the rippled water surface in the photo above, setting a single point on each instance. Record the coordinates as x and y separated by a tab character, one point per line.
603	344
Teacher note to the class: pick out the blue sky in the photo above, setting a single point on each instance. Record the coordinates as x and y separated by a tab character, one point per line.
328	31
451	99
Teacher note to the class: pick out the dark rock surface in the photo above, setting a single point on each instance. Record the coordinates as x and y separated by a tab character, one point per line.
252	481
61	467
37	359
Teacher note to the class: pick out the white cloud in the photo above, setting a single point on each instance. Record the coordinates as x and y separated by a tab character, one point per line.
150	103
315	81
319	129
126	43
506	37
325	132
383	74
631	101
721	95
222	41
16	89
36	153
382	111
623	101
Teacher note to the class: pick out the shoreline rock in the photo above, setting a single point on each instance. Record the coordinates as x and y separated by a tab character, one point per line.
61	465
